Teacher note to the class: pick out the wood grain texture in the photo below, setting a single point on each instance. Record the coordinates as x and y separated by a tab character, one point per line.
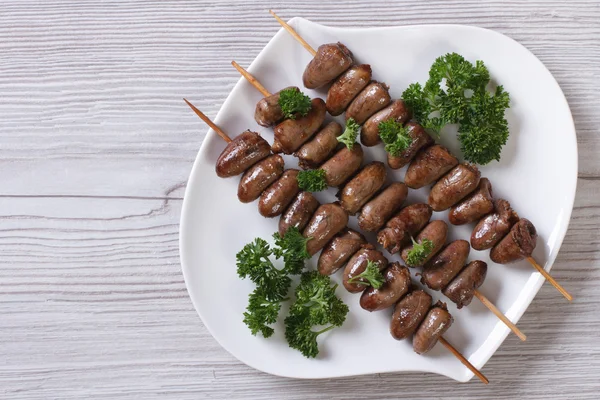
92	300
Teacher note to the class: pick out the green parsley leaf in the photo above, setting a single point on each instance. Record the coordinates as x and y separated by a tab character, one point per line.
456	93
312	180
371	276
415	99
300	336
292	247
272	286
485	132
350	133
395	136
261	312
316	305
419	252
293	102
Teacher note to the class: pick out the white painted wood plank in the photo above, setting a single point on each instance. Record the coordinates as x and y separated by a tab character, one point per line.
92	301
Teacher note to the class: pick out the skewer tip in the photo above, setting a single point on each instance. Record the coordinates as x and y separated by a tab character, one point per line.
294	34
193	107
253	81
486	302
549	278
464	361
204	118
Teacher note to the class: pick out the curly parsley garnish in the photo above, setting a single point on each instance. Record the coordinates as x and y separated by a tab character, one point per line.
253	262
483	129
395	136
272	284
316	305
292	248
350	133
262	311
312	180
419	252
483	134
372	276
293	102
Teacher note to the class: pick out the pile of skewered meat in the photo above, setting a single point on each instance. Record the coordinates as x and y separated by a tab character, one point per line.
264	178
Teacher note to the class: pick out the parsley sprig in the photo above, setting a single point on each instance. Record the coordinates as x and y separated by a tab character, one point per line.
316	309
371	276
464	100
316	306
253	262
292	248
419	252
272	284
350	133
312	180
395	136
293	102
262	311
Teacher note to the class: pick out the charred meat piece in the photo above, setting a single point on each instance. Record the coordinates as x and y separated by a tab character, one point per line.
275	199
357	265
330	61
462	288
339	250
258	177
454	186
372	99
268	111
362	187
339	168
475	206
398	111
407	223
314	152
241	153
397	284
494	226
298	213
517	245
428	166
442	268
326	222
420	140
347	87
437	232
293	133
376	212
435	324
409	313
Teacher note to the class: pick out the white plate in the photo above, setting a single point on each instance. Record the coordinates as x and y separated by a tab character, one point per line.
537	174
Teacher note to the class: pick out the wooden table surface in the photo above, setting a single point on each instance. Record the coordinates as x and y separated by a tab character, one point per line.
95	150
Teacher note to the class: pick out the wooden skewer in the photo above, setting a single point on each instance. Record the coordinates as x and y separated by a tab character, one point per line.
499	314
463	360
251	79
549	278
209	122
294	34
